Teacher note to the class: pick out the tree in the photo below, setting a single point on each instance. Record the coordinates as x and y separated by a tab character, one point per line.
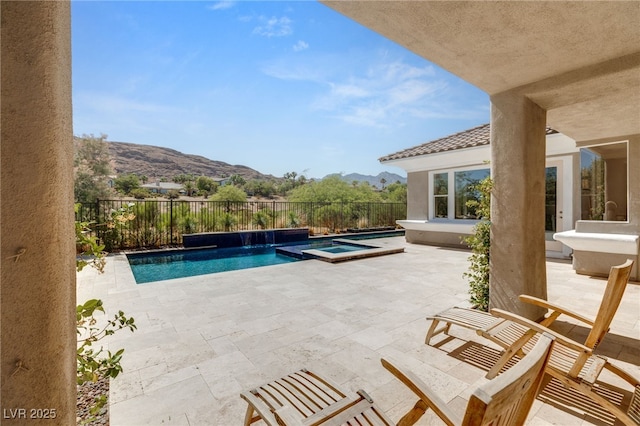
334	189
126	183
182	178
237	180
291	181
206	184
395	193
230	193
189	187
91	168
261	188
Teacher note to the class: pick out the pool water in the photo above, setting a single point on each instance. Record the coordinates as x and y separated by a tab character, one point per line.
343	248
165	266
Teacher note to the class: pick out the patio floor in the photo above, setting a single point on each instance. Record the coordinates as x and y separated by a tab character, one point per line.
202	340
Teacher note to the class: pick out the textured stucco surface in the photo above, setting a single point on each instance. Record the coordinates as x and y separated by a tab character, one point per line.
37	289
417	195
442	239
517	204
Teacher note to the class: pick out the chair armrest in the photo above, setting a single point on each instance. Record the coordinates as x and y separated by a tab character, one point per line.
559	338
557	310
260	407
423	392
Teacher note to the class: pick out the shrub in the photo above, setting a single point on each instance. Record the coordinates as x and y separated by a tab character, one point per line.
262	218
227	221
480	243
94	364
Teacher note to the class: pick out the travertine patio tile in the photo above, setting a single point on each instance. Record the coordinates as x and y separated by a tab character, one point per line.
225	365
372	338
154	383
158	407
202	340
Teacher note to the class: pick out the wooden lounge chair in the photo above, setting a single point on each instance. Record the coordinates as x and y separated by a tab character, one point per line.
507	333
575	366
505	400
304	398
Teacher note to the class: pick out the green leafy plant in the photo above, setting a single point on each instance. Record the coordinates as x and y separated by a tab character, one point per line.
94	363
262	218
228	221
116	223
480	242
293	220
88	250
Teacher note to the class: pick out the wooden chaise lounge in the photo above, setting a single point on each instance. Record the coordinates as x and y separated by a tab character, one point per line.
305	398
505	333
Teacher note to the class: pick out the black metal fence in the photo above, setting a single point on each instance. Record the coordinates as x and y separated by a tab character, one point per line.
123	224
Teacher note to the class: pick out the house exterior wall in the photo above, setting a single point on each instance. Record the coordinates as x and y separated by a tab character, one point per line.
588	258
418	195
418	209
561	151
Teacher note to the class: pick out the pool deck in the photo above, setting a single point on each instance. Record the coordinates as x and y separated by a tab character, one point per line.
202	340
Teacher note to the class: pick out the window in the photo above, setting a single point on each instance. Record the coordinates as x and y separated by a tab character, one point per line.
441	195
466	191
461	184
603	182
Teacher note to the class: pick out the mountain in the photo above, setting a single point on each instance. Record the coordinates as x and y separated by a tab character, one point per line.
158	162
374	180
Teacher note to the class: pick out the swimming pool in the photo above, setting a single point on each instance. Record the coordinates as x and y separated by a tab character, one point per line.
165	265
149	267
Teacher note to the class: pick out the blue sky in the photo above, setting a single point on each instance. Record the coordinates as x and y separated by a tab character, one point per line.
274	85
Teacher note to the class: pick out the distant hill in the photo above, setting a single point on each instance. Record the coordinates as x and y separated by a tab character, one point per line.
157	162
373	180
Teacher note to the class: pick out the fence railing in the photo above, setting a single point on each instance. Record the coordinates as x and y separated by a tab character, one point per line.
160	223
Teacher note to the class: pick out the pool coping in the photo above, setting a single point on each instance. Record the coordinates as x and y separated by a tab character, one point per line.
373	251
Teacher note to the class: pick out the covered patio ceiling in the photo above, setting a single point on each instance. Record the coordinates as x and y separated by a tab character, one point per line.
578	60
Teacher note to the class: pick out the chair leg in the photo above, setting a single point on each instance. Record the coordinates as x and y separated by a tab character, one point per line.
432	330
248	417
414	415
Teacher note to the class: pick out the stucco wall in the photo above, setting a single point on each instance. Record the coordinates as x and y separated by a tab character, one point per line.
38	330
442	239
418	195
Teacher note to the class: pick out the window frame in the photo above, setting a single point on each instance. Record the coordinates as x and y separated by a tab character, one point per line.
590	147
451	195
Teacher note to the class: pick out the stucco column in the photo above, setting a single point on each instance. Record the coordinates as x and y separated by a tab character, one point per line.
37	245
517	204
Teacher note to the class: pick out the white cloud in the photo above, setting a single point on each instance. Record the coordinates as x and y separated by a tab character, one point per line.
300	45
385	94
274	27
222	5
345	91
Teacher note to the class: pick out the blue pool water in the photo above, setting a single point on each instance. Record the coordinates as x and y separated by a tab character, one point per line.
342	248
165	266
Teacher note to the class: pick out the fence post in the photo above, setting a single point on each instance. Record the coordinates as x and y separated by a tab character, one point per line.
273	214
171	221
96	219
